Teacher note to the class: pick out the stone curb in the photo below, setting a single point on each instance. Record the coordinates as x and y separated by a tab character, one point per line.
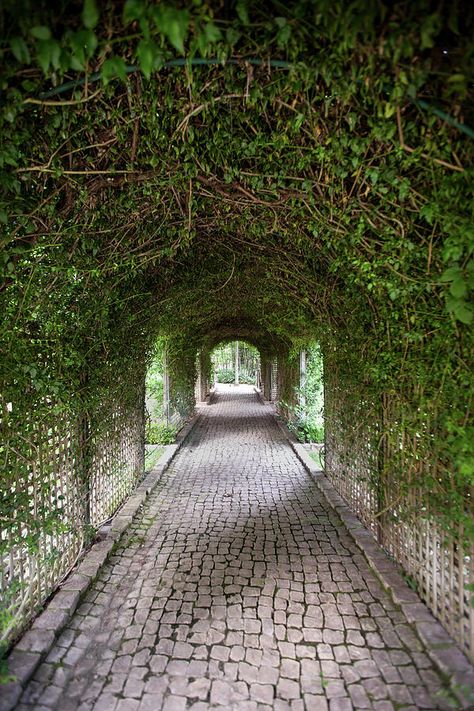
268	403
439	645
211	397
35	644
308	463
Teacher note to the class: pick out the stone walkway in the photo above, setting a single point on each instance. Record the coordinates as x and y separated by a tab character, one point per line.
237	588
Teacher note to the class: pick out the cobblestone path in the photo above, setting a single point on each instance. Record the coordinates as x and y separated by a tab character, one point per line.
238	588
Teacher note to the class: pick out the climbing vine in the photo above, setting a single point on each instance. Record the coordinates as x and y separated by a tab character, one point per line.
208	171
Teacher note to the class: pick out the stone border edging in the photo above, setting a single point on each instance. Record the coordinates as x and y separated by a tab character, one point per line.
33	646
268	403
211	396
308	463
445	653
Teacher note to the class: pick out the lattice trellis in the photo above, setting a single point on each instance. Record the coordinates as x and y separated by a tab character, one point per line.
44	530
274	380
117	462
37	550
362	470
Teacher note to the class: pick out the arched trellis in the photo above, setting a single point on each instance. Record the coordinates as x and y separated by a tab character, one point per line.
271	349
311	202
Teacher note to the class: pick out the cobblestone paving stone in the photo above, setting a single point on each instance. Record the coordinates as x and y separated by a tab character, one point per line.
236	588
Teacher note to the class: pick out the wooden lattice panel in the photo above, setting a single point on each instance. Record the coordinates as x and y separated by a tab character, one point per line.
117	463
274	380
52	503
366	472
48	521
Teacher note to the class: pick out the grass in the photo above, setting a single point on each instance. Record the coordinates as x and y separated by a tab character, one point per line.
152	456
316	456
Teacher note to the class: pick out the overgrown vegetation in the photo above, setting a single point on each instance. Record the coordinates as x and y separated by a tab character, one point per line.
317	455
273	173
159	433
227	356
307	419
154	385
152	455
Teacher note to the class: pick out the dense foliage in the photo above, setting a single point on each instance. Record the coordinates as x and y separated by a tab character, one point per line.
154	385
225	357
309	414
160	433
325	194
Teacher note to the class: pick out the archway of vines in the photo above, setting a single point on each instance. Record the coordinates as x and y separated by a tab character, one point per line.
212	171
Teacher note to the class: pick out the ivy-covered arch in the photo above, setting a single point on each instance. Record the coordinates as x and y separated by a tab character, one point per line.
199	170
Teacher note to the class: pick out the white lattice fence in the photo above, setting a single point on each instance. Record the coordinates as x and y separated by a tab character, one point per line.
42	528
117	463
365	471
50	497
274	380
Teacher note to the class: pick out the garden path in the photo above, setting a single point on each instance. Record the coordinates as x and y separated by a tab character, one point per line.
237	587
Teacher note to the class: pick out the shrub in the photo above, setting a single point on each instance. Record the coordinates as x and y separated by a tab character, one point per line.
308	431
225	376
246	378
311	432
159	433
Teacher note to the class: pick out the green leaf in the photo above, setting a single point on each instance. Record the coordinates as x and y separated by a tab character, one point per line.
28	85
48	53
428	212
76	63
173	23
464	312
112	68
212	32
429	30
373	174
457	79
20	50
284	32
90	42
242	12
457	83
90	14
460	309
470	274
283	36
41	32
232	36
450	274
83	43
146	56
298	122
133	10
208	36
458	288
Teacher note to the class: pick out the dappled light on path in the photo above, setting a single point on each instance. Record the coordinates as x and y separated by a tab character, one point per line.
237	587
